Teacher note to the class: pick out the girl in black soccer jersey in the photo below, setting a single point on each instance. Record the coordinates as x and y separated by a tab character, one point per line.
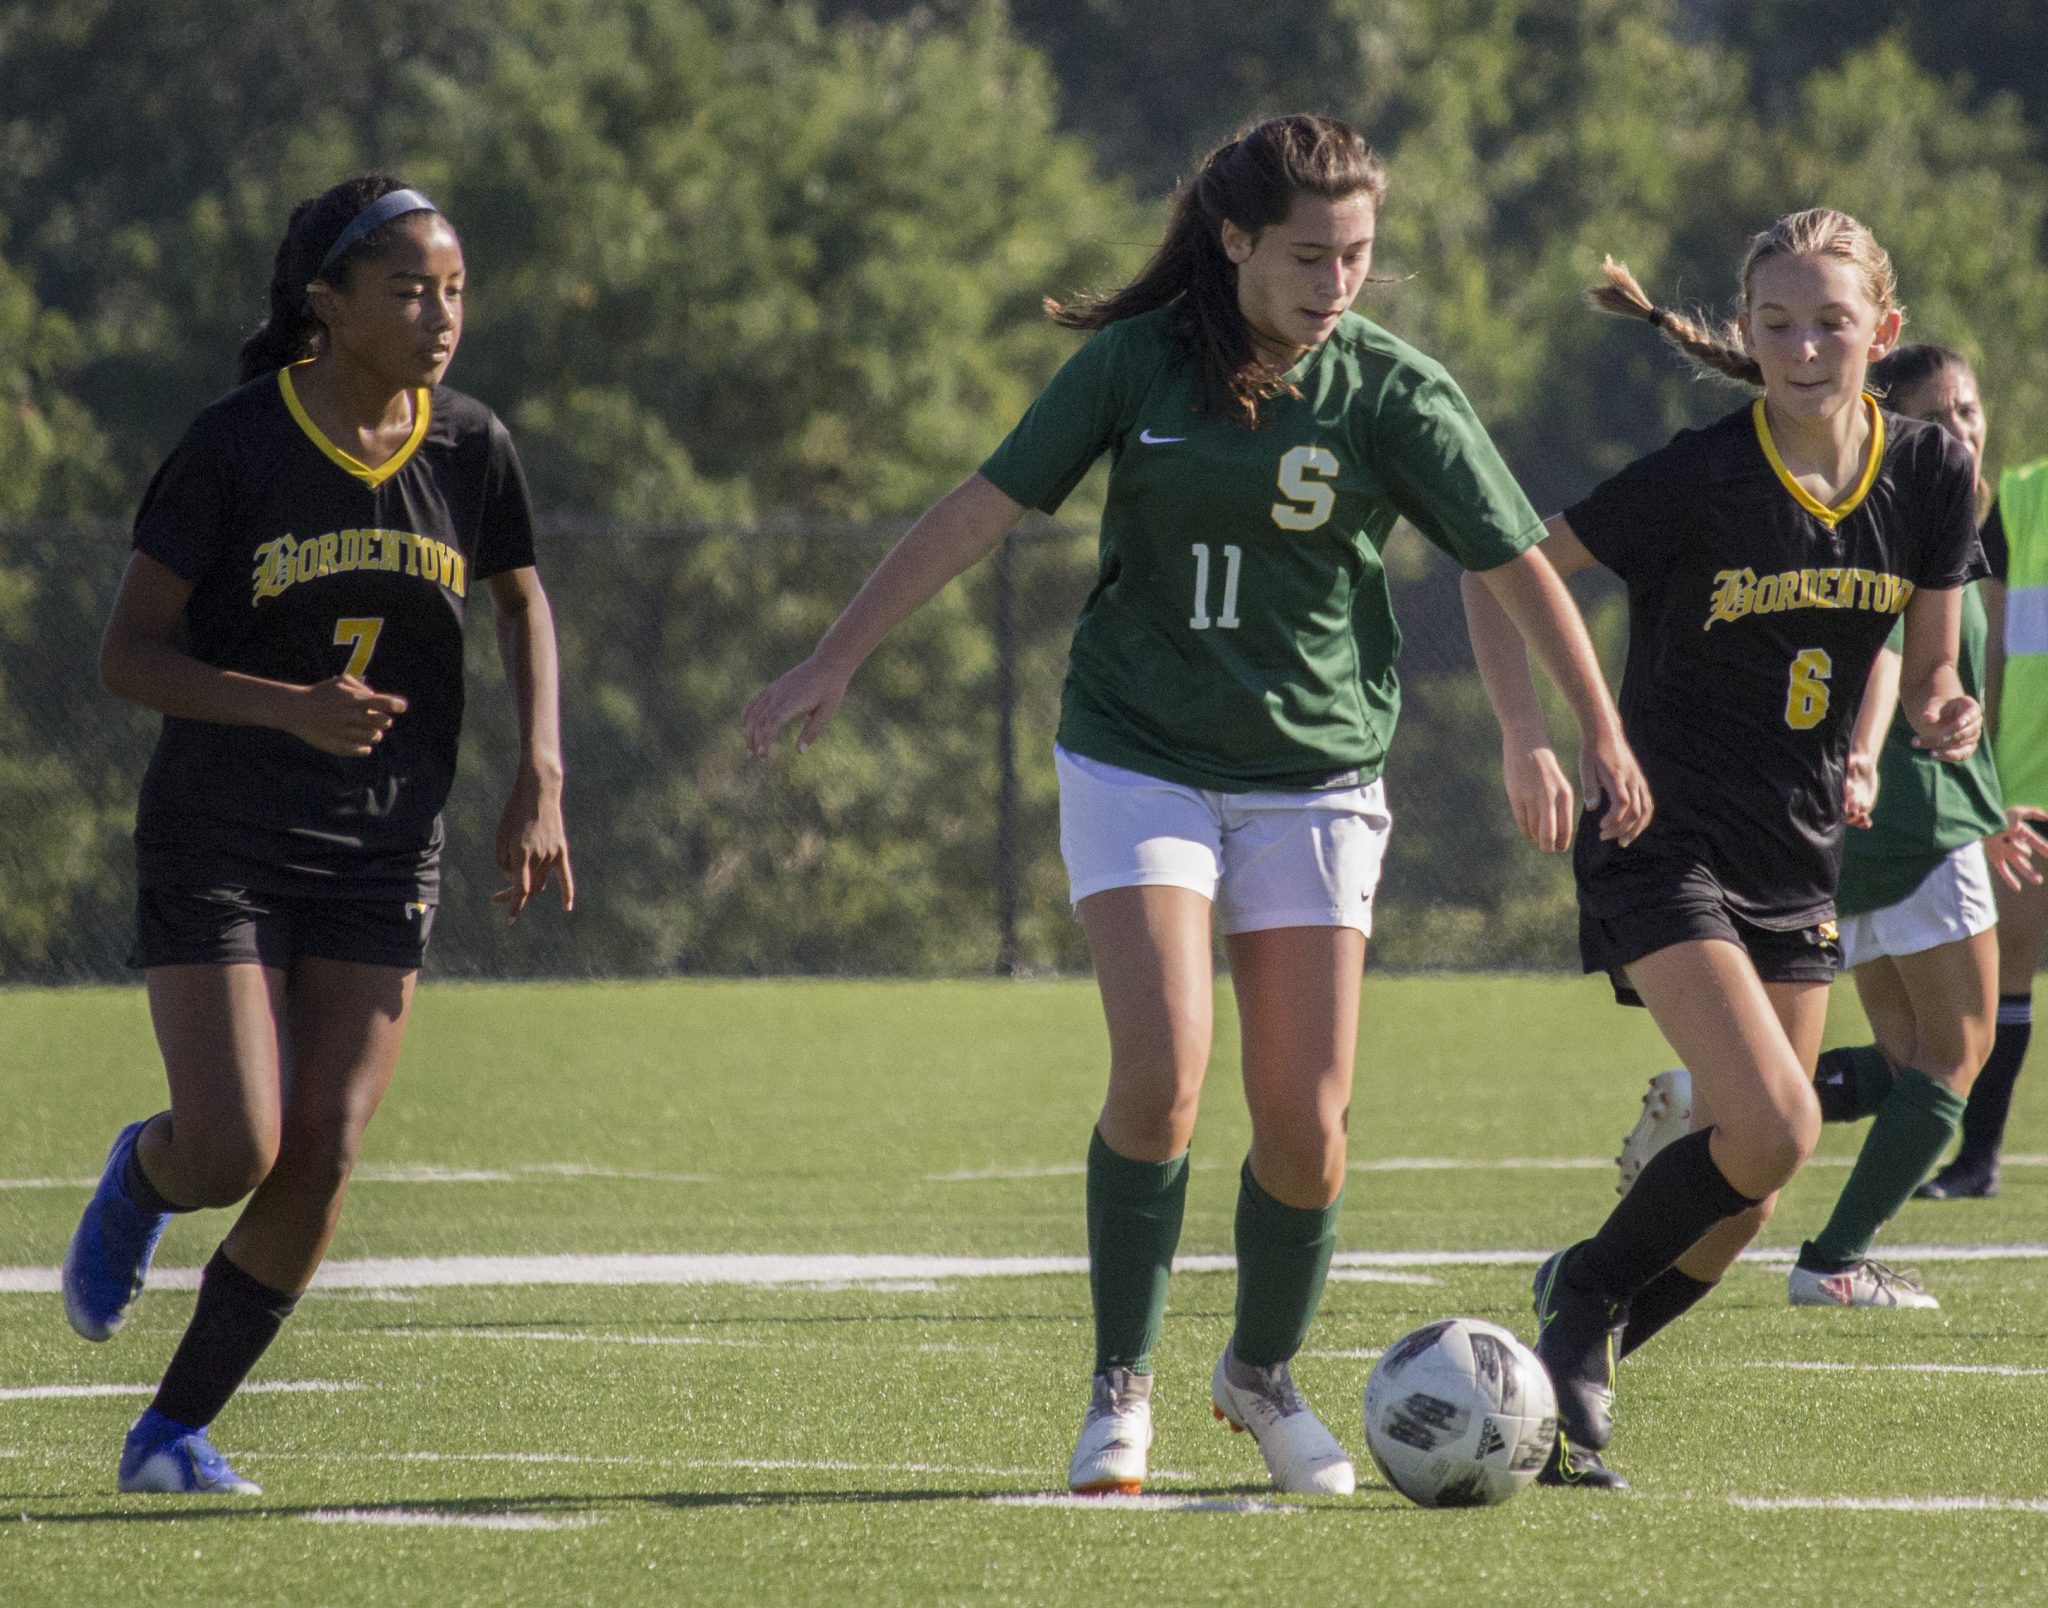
1767	558
294	608
1225	719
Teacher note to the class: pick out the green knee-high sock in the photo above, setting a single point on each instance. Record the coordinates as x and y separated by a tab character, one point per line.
1852	1082
1283	1260
1913	1127
1134	1213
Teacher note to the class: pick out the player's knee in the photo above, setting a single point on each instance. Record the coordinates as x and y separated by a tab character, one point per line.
321	1153
223	1168
1772	1145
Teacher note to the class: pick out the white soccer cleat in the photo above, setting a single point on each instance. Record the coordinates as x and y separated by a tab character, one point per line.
1301	1453
1667	1115
1867	1284
1116	1436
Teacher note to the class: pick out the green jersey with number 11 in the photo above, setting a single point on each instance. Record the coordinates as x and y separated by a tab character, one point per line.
1240	635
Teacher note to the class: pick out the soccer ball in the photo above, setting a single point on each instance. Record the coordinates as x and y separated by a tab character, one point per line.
1459	1414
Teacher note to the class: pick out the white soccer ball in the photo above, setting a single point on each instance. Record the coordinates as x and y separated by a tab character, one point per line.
1459	1414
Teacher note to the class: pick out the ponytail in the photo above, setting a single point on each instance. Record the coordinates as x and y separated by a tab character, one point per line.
1252	182
1816	232
1719	353
291	331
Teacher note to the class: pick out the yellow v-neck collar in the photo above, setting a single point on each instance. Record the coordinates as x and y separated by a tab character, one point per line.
1830	517
421	413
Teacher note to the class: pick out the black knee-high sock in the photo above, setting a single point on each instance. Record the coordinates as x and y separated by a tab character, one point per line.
1659	1304
1679	1197
1991	1095
233	1325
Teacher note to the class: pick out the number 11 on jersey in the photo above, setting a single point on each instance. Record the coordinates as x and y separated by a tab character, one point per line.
1233	557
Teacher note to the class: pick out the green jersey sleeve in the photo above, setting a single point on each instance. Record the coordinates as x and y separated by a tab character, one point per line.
1443	473
1077	418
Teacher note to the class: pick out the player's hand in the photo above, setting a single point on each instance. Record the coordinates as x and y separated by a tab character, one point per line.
1859	789
2011	852
811	693
1539	794
1953	730
533	845
1609	775
341	715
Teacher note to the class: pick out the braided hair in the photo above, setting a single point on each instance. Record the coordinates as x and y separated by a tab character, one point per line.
1816	232
291	330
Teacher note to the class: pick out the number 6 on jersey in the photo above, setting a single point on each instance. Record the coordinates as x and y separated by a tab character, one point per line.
362	636
1806	699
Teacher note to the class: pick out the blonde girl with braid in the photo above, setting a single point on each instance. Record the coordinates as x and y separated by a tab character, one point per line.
1767	558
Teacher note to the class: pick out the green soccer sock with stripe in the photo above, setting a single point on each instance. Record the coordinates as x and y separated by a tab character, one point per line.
1283	1261
1852	1082
1913	1127
1134	1216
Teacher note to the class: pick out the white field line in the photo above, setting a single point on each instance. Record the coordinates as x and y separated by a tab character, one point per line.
427	1172
407	1517
77	1392
1350	1353
868	1271
1894	1504
423	1172
1143	1504
570	1336
772	1465
2002	1370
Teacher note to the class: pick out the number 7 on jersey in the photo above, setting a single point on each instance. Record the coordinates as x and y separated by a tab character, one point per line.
360	634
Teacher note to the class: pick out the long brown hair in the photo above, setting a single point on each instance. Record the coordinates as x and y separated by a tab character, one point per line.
1816	232
1251	182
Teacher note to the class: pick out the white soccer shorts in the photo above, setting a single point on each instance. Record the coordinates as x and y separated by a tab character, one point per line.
1280	859
1953	902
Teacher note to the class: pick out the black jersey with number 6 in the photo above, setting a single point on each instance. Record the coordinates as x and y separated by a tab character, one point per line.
1755	613
304	564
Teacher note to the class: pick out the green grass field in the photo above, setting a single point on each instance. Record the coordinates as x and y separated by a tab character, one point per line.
868	1432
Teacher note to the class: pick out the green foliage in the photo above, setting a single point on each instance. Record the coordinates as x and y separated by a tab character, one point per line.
764	275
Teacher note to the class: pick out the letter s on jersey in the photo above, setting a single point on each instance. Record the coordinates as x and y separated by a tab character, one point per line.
1310	501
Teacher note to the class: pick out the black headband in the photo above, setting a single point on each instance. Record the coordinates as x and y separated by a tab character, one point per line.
374	216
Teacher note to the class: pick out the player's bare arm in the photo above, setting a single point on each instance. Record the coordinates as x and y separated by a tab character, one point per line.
1946	721
532	841
1866	741
1523	604
140	661
957	532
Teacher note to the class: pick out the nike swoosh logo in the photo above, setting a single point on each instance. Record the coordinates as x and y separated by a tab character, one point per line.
1151	440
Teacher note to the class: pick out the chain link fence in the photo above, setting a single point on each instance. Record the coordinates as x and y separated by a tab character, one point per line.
918	837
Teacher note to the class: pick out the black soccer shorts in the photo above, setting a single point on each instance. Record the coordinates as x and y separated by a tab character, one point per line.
224	926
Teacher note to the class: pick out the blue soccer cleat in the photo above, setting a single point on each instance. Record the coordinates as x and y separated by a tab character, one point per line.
161	1455
110	1251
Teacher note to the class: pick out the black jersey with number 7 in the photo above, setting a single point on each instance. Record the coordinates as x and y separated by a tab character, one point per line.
306	564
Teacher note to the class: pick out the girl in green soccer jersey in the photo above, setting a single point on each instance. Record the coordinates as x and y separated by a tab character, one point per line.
1767	557
1919	917
1226	716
